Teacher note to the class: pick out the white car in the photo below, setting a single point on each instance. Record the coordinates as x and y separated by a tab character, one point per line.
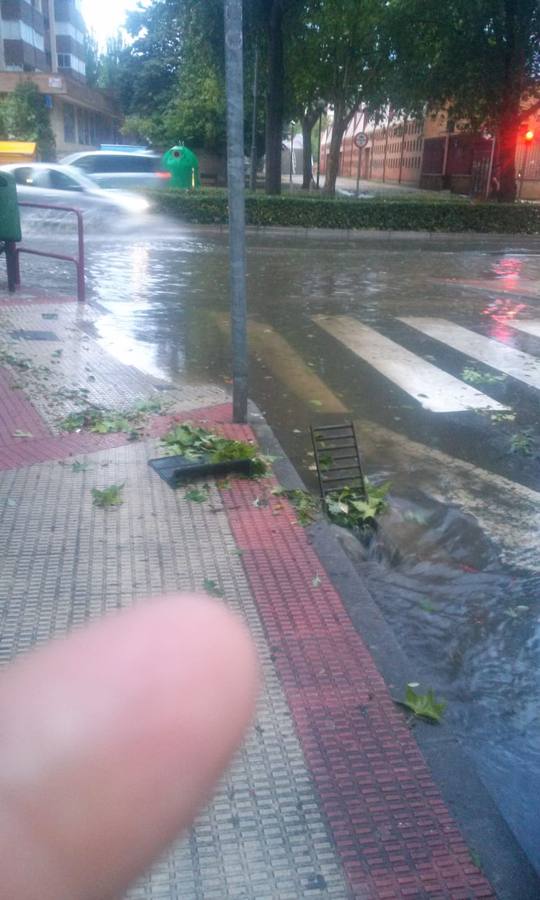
120	169
65	186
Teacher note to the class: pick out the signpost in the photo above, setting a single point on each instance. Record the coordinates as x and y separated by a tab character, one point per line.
237	208
360	141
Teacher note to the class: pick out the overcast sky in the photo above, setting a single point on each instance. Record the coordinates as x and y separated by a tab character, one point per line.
104	17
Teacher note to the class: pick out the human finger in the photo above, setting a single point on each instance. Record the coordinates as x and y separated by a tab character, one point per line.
112	739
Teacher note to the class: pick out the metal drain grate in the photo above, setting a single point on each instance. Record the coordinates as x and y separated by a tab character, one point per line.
23	335
337	458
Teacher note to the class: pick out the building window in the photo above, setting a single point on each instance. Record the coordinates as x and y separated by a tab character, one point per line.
69	124
64	60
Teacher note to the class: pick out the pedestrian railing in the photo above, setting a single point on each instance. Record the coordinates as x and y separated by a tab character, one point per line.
78	261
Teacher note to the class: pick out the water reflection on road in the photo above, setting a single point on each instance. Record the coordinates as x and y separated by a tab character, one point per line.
461	589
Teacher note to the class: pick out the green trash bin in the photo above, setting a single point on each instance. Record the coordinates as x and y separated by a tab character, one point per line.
10	218
184	168
10	226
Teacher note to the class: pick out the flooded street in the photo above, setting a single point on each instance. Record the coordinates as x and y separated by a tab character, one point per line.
434	352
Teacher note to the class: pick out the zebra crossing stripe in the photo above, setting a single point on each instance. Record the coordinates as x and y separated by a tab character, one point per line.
528	326
522	366
431	387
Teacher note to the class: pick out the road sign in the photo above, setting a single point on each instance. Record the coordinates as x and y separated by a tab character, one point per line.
361	140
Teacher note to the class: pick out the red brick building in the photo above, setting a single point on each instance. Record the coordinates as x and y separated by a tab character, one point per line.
423	153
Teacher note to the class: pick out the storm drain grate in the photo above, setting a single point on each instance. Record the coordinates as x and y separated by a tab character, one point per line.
23	335
337	458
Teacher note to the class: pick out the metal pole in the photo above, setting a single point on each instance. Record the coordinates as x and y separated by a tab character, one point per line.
445	158
292	151
81	265
386	150
319	156
490	169
402	149
524	162
253	179
237	206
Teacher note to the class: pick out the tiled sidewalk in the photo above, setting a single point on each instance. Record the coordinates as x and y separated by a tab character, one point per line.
330	796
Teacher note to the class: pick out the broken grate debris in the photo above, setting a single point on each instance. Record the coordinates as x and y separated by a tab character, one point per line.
177	470
337	458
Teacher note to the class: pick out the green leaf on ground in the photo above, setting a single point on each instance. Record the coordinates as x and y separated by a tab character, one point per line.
349	507
424	706
475	859
497	417
522	442
416	516
514	612
111	496
197	495
306	505
428	606
155	405
474	376
212	587
80	466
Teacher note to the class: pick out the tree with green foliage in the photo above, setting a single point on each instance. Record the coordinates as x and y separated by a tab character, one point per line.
171	78
303	77
26	117
352	69
92	59
478	60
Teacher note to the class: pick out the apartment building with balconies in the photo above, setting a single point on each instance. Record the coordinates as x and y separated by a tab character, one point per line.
44	41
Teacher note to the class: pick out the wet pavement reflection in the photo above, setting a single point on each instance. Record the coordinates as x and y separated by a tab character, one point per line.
457	574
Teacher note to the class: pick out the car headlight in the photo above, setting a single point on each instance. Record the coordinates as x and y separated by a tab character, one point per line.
133	204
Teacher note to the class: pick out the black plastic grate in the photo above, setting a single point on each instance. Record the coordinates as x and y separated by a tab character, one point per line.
337	458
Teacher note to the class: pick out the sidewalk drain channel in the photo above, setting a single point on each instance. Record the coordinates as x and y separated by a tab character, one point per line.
23	335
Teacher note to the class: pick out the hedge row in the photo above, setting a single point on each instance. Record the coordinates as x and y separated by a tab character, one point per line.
209	207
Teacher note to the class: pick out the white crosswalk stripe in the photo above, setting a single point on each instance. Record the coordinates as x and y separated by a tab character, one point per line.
522	366
431	387
528	326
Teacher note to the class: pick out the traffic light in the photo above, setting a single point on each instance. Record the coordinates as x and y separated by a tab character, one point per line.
528	136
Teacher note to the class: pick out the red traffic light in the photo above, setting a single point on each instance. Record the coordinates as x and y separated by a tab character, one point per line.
529	136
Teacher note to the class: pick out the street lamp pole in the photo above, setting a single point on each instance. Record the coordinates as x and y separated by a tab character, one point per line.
293	123
319	155
253	179
237	209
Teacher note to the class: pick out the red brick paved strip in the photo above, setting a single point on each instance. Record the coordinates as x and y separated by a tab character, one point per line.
392	829
18	414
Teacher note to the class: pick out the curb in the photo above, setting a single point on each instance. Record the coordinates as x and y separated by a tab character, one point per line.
472	239
484	828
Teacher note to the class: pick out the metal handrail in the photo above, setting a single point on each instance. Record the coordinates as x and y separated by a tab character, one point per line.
79	261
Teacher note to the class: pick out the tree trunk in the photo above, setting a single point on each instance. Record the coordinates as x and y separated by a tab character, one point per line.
508	138
339	128
308	122
274	99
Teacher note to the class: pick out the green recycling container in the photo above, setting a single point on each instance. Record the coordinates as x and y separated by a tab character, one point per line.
183	166
10	218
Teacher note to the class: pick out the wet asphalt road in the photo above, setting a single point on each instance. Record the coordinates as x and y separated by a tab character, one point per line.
458	577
